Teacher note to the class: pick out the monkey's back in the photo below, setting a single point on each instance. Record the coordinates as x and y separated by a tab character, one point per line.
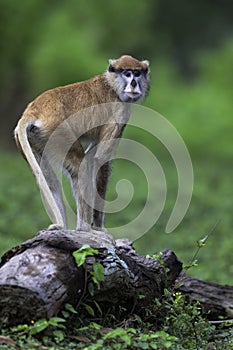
55	105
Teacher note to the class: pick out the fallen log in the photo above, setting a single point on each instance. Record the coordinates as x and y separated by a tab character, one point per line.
38	277
215	299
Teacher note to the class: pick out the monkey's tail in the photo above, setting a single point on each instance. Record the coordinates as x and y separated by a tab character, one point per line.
22	141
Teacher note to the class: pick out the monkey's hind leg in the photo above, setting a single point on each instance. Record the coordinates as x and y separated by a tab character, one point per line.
58	220
101	188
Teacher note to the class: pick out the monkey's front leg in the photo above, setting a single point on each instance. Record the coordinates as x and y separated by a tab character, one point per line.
104	154
82	186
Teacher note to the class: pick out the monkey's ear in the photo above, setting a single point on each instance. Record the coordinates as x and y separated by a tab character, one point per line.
146	62
111	65
112	62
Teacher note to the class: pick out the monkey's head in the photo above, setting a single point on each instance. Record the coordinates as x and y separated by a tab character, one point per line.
129	78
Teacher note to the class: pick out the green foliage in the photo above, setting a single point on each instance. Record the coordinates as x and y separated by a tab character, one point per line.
121	338
171	323
26	331
185	321
131	338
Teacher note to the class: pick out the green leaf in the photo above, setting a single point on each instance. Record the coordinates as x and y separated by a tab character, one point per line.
65	314
56	321
59	335
90	310
118	332
70	308
122	334
20	327
98	271
91	289
95	325
39	326
98	308
81	254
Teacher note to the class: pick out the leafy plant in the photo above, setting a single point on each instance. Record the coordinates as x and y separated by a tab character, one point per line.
54	325
184	320
69	310
200	244
97	276
42	324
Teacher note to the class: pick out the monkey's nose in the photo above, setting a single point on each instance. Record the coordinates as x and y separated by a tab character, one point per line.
133	83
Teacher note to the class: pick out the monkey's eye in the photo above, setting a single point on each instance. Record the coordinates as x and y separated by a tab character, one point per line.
137	73
127	73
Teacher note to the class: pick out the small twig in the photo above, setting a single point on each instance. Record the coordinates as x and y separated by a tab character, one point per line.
200	244
230	321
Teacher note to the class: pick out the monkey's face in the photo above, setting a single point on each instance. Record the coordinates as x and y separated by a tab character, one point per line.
133	85
129	78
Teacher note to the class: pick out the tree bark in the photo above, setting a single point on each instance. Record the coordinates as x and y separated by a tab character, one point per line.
216	299
38	277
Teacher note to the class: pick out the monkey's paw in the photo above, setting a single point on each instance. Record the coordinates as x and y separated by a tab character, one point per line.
54	227
99	229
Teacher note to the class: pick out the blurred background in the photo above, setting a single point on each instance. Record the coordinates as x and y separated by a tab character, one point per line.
47	43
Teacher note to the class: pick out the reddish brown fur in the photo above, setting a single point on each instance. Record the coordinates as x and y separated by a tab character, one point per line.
128	62
43	115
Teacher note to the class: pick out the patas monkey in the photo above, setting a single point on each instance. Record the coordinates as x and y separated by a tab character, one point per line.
87	112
